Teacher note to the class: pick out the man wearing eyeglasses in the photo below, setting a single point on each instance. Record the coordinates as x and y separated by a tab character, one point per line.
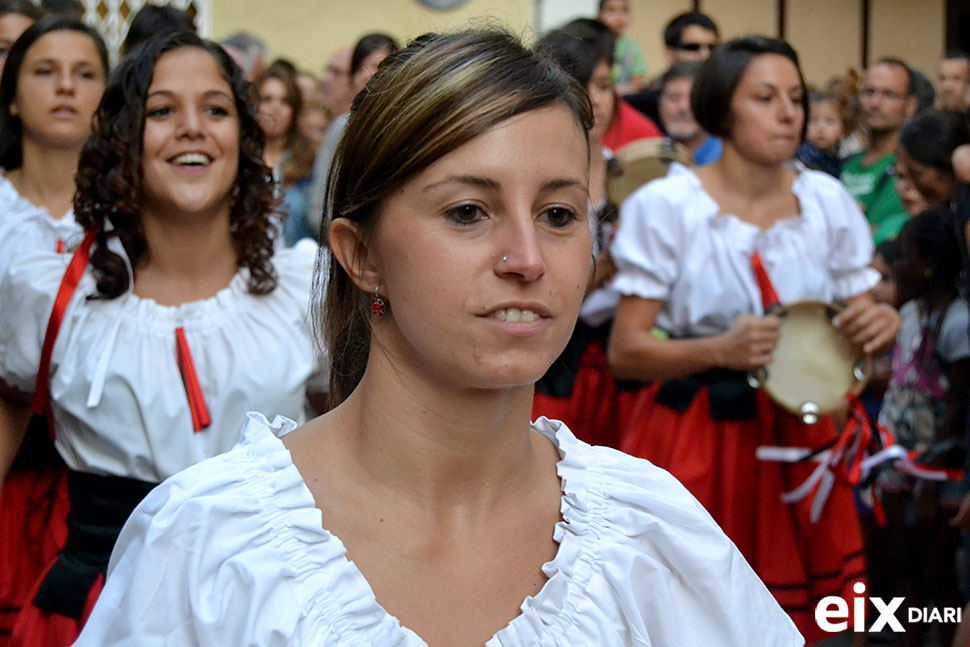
887	99
688	37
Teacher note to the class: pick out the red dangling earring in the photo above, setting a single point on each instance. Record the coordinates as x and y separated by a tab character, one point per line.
377	303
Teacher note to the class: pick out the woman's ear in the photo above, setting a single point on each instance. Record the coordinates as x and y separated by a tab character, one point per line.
354	253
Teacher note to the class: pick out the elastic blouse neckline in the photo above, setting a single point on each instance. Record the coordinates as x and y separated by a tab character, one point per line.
353	607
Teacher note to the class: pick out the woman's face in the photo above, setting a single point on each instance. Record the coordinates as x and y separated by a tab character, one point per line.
12	25
275	112
913	201
485	255
766	110
190	151
60	84
935	188
600	89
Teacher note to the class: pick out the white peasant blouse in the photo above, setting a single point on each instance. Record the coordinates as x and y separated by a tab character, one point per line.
674	245
233	551
118	398
24	225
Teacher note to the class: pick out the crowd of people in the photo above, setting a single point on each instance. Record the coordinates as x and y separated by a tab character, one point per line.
375	356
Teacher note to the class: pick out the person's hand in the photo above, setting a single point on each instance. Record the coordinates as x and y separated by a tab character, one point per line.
869	325
748	344
961	519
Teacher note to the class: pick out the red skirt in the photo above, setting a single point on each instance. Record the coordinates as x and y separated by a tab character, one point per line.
38	628
582	393
799	561
33	529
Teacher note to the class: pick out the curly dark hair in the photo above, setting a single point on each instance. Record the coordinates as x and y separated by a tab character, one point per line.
109	179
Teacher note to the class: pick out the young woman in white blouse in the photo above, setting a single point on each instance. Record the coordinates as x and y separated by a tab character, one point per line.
423	509
183	319
685	255
55	73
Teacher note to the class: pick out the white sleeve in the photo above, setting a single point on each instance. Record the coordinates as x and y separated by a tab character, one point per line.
296	273
646	246
849	241
27	295
954	342
192	567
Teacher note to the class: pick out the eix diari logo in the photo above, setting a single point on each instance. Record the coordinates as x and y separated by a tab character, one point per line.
832	613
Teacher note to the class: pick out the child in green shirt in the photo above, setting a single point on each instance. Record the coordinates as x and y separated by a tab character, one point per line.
629	68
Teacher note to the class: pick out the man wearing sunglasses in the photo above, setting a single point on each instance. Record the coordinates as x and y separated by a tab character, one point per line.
688	37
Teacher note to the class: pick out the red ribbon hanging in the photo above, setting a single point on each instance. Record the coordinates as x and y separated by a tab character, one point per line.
200	412
769	298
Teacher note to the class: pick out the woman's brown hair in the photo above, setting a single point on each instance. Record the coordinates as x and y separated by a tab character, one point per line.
425	101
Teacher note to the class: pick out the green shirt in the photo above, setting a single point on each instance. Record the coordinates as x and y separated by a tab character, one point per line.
874	188
627	60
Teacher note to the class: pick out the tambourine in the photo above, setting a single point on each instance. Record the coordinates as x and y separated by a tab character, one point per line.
814	367
640	162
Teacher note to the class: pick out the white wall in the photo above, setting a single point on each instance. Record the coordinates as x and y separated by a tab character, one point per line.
550	14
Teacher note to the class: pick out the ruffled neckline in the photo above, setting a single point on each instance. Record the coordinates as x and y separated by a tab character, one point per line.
292	265
335	586
724	219
19	204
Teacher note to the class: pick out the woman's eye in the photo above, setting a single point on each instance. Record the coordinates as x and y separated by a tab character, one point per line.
161	111
559	216
217	111
465	214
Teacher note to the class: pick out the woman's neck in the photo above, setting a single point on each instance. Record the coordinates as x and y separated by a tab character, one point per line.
189	258
749	179
441	447
46	177
274	151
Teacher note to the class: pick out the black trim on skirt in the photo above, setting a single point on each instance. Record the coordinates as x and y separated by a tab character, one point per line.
730	395
100	505
559	380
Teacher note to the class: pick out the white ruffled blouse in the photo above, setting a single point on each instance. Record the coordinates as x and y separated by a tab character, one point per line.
119	401
675	245
24	225
233	551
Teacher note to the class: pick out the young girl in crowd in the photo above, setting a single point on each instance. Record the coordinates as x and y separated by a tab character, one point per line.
183	319
926	409
51	86
50	89
279	102
628	71
823	135
924	172
287	152
461	257
699	254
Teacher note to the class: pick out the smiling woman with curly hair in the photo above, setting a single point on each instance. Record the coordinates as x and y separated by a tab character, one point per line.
182	320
